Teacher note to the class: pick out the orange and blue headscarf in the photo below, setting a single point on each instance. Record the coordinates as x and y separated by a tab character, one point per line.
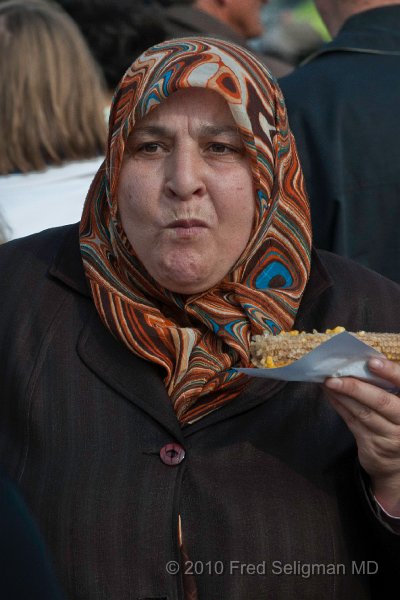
263	289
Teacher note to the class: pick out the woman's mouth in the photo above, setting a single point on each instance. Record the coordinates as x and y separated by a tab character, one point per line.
187	228
187	223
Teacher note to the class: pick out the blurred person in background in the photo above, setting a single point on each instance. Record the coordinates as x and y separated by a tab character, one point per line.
290	39
305	10
51	117
343	108
235	21
4	230
116	31
26	571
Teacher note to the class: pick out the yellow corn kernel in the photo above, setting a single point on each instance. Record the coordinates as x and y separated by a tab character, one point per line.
269	362
335	330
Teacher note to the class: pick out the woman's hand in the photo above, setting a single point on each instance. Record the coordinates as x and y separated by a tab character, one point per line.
373	416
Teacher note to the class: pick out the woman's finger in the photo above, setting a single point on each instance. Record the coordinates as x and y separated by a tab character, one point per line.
359	417
386	369
370	396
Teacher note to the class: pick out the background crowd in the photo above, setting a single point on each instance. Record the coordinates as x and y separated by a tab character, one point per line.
54	105
341	95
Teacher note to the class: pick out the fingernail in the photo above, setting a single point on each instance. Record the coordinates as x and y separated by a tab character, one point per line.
375	363
334	383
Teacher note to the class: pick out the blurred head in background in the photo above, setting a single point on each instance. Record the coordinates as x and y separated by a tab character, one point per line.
243	16
116	31
52	96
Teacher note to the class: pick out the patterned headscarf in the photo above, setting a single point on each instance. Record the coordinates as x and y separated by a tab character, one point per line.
263	289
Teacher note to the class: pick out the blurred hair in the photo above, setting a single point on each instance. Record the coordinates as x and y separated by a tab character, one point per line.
51	92
117	31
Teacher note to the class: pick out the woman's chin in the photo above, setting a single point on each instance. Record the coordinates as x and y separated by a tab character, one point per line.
185	285
185	279
183	272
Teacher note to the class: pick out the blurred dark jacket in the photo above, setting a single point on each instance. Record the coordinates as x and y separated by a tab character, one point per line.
25	569
344	110
182	20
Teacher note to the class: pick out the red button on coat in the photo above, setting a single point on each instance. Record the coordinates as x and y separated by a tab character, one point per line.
172	454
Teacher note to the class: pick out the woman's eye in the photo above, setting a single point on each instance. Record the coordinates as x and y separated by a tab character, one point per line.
149	148
224	149
220	148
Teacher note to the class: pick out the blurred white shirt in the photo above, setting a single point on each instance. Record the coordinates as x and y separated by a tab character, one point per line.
35	201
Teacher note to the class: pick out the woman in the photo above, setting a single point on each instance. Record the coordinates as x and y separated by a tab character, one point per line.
154	468
51	116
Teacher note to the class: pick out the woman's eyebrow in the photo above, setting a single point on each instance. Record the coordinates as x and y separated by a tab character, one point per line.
219	130
204	130
157	130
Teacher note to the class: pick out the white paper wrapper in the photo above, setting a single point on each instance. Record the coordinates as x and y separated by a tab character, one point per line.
342	355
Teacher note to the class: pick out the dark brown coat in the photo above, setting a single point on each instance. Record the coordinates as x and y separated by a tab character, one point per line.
270	479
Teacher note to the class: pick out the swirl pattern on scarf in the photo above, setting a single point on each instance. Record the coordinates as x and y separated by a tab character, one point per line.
262	291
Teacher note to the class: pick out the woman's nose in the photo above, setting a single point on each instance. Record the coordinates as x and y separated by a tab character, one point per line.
184	173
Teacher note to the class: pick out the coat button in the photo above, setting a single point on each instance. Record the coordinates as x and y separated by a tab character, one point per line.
172	454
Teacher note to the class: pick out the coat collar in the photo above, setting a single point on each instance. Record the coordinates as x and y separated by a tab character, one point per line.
67	265
140	381
375	31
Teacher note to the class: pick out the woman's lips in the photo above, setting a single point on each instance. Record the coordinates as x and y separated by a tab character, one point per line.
187	228
187	223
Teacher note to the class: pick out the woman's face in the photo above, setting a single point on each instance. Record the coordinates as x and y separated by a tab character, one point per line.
186	195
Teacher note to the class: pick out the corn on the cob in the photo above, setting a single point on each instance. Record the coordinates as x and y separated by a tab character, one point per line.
270	351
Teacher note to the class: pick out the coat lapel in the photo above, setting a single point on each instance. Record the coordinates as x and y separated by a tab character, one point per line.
137	380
